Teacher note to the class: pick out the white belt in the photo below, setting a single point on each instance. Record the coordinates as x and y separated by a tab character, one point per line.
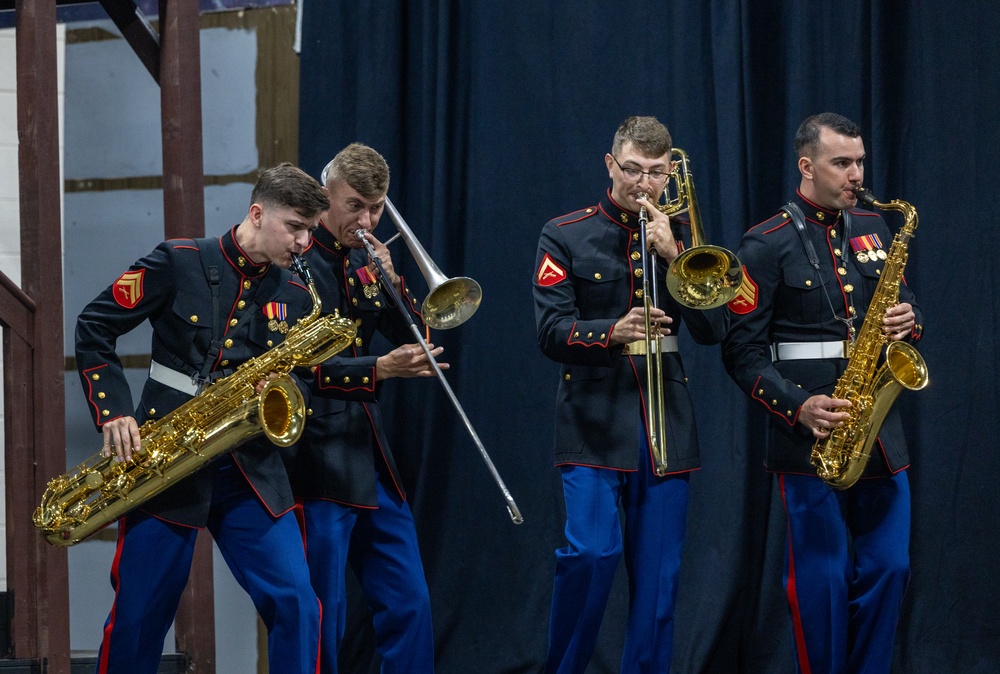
810	350
668	343
172	378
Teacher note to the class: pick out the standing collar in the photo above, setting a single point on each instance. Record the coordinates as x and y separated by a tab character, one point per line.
815	212
324	240
617	214
239	259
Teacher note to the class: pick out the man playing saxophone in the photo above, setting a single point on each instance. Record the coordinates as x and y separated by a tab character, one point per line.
213	304
810	275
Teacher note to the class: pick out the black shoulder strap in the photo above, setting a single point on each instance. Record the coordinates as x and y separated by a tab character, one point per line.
211	260
795	213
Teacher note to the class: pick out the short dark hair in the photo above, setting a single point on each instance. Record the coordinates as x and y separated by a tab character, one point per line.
361	167
646	134
288	185
807	137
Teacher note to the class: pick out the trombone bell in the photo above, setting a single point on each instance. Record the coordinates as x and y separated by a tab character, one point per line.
704	277
451	303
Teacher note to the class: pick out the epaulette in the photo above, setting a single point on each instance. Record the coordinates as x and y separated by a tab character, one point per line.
575	216
773	223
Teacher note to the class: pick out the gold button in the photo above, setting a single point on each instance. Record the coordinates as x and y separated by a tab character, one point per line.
152	411
228	344
354	301
246	284
841	271
808	283
603	336
638	272
774	402
597	275
350	281
357	341
878	272
833	234
233	322
326	380
821	216
589	335
848	288
241	305
851	310
760	391
576	334
836	251
95	377
270	343
378	305
224	363
635	236
309	411
365	380
101	395
636	255
347	380
194	319
105	412
638	293
566	376
788	412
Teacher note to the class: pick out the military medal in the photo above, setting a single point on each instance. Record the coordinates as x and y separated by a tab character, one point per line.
862	257
276	313
881	254
868	248
369	283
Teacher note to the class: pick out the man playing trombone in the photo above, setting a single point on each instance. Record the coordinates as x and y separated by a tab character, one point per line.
591	317
353	501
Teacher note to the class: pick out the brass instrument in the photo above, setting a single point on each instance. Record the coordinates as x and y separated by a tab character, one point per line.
223	415
454	303
450	301
703	276
656	417
841	457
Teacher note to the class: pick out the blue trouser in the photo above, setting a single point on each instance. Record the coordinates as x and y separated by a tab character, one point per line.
152	564
655	510
380	544
846	568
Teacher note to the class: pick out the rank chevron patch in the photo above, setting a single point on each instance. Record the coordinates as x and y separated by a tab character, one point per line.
549	273
128	288
746	296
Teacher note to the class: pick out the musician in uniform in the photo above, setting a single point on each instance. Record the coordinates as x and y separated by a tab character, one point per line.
806	291
590	318
213	304
353	500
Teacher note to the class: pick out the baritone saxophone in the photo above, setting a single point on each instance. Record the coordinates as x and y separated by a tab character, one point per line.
224	414
841	457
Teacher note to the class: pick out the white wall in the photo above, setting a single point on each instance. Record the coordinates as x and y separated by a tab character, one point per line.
10	225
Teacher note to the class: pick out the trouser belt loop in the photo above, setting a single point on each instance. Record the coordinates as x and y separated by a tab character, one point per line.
668	343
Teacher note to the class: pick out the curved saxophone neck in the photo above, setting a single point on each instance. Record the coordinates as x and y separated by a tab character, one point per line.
300	267
907	209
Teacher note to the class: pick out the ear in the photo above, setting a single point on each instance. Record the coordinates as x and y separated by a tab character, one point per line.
806	167
256	212
610	163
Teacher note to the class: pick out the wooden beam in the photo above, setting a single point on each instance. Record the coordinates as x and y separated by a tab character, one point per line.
137	31
40	625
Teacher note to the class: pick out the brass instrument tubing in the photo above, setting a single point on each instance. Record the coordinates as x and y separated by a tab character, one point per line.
512	509
655	412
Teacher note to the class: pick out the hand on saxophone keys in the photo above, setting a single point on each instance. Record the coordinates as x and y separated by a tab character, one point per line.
899	320
819	414
632	326
121	438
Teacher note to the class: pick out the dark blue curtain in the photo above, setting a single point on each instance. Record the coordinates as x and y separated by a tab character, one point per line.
495	117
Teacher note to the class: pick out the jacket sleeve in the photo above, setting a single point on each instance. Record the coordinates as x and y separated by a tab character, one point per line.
563	334
138	294
746	350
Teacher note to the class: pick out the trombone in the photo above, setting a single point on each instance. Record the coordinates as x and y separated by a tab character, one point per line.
450	302
703	276
656	417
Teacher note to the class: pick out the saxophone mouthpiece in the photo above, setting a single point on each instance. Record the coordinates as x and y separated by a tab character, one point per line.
867	197
300	267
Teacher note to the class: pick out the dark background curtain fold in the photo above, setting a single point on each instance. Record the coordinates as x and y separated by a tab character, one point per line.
495	117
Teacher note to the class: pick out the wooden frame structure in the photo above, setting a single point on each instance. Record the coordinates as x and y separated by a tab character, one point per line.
35	432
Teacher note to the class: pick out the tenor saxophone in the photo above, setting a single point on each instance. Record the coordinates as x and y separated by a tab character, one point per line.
223	415
841	457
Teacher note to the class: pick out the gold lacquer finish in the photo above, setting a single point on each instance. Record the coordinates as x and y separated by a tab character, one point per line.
656	418
841	457
703	276
223	415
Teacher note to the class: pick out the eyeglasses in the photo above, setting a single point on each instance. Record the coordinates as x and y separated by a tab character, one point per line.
633	173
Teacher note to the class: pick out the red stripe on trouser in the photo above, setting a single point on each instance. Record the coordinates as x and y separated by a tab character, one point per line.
102	665
793	597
